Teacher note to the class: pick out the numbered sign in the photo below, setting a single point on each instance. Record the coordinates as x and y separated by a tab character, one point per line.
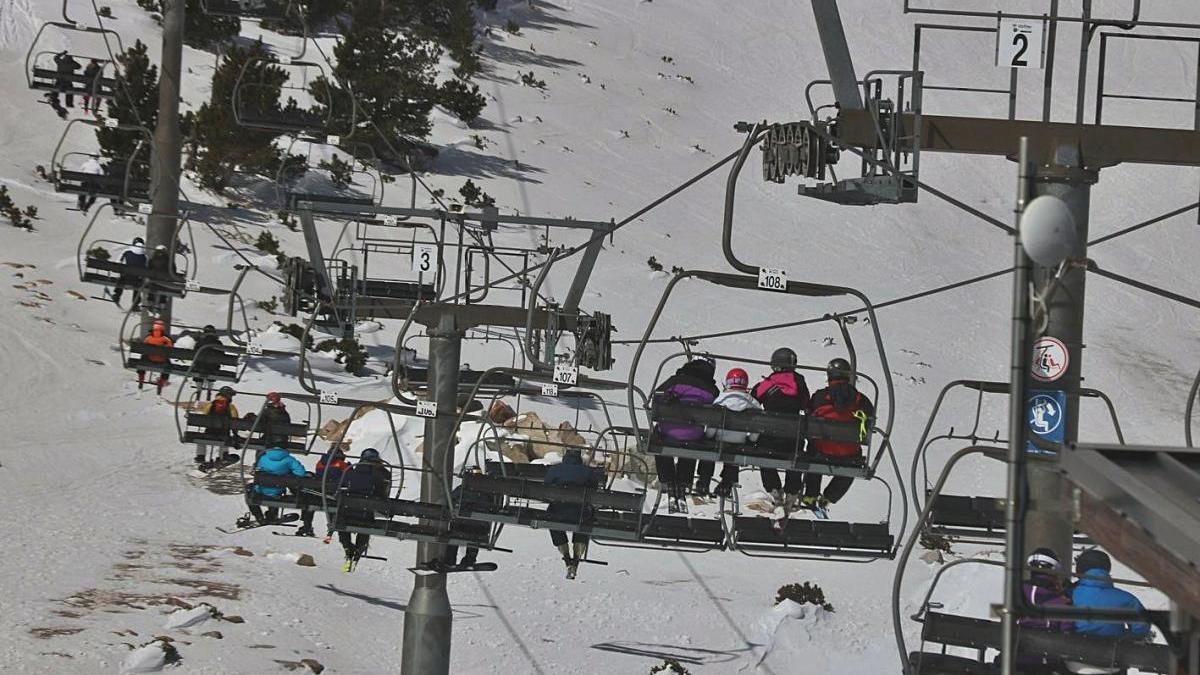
426	408
390	221
425	259
145	209
191	285
328	397
772	279
285	60
1019	44
566	374
254	349
112	123
550	390
333	140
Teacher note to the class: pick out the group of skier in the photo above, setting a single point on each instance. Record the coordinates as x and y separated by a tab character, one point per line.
1094	589
65	67
783	391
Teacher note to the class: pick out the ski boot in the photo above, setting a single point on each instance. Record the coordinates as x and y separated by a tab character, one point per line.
245	521
723	490
701	490
305	531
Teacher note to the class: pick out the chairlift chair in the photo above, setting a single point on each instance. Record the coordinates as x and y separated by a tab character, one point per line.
217	364
258	104
42	74
970	518
755	536
269	10
124	180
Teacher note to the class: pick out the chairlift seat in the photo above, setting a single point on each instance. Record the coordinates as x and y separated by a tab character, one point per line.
973	633
821	537
935	663
101	185
49	79
288	121
973	519
683	531
403	290
113	273
529	489
536	472
142	362
293	200
200	424
466	378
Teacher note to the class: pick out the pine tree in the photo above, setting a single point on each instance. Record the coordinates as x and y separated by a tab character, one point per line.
220	146
391	75
136	104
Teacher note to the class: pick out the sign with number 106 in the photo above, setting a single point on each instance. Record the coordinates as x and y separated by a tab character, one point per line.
1019	43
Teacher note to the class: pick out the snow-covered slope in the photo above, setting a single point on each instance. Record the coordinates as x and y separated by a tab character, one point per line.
107	533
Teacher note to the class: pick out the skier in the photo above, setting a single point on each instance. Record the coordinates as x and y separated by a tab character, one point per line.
839	401
330	468
207	348
276	462
1095	590
783	391
91	75
274	417
221	412
369	478
471	556
736	397
157	338
134	256
571	472
86	199
693	384
1043	588
65	65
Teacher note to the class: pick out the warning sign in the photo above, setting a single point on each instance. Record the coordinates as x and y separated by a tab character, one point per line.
1050	359
1045	413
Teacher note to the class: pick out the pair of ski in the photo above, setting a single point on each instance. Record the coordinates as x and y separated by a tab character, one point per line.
782	514
245	523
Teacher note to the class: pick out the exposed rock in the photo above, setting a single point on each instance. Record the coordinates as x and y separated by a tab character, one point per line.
214	634
306	560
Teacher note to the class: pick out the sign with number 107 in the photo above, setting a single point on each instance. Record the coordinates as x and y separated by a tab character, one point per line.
1019	43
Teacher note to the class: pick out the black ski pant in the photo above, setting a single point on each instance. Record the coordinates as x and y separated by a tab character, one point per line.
450	557
354	544
85	200
673	472
792	483
705	470
836	489
272	513
132	283
559	537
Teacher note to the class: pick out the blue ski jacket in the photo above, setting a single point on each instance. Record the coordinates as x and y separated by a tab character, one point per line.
1096	590
277	462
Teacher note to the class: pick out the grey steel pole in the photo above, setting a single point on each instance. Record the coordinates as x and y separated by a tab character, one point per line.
168	149
427	618
1019	368
1048	521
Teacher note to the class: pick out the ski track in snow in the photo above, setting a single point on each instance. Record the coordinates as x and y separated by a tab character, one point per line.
107	529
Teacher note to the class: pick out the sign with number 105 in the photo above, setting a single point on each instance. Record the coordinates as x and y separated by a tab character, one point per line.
1019	43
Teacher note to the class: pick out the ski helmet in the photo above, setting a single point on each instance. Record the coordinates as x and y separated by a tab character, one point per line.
209	329
138	241
227	392
736	378
1092	559
839	369
369	453
706	364
1043	560
274	399
783	359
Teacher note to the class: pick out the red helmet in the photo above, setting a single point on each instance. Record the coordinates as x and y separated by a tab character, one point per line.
274	399
736	378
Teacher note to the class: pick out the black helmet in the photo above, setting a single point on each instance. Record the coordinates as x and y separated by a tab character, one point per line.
783	359
1092	559
138	240
369	453
227	392
839	369
210	329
